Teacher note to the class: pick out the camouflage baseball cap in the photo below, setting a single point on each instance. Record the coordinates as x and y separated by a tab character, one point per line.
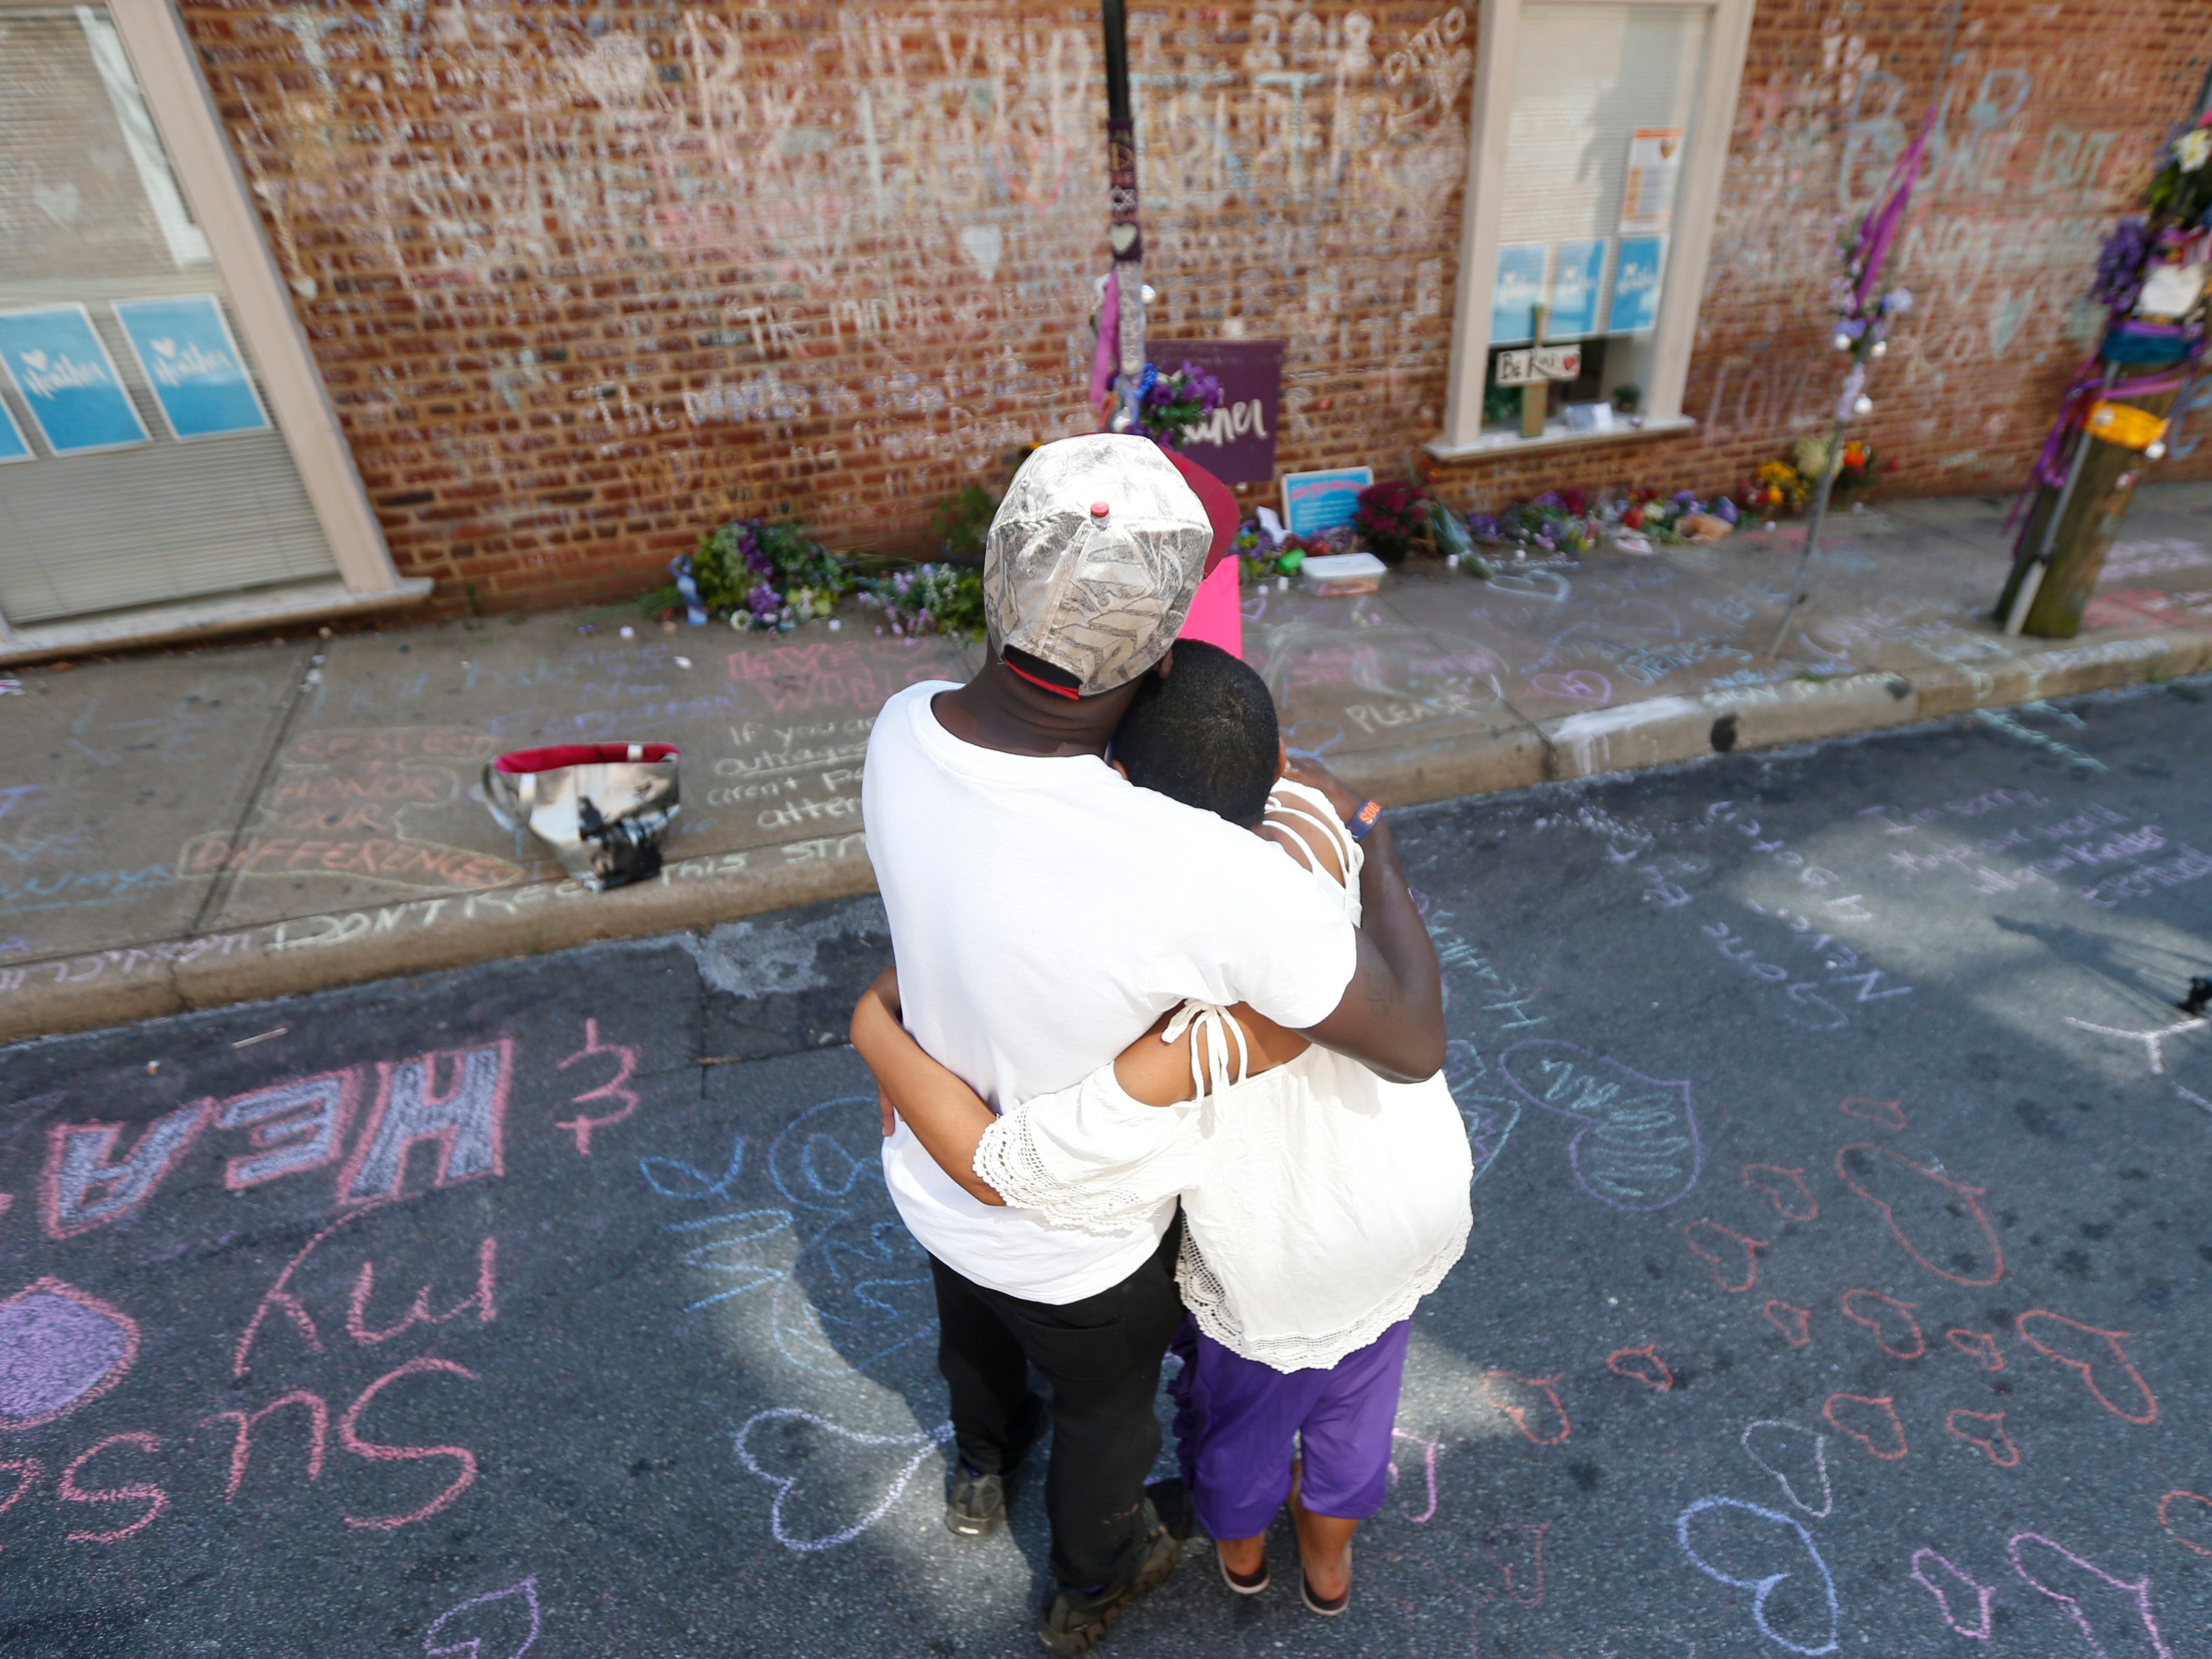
1093	557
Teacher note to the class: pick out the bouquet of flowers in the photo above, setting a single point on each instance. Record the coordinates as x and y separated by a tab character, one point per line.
1170	407
2180	191
1778	487
761	574
928	598
1559	521
1856	466
1392	519
1680	517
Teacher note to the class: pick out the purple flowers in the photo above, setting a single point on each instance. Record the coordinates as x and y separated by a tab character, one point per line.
2119	266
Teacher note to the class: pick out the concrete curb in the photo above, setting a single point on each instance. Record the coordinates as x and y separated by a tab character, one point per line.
322	952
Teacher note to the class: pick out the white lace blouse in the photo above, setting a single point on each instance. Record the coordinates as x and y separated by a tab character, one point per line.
1320	1203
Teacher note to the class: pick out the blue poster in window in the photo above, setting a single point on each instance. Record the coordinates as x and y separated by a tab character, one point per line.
12	446
184	350
1315	502
68	380
1519	291
1635	284
1575	289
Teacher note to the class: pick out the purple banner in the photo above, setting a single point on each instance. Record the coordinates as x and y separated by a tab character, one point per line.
1239	446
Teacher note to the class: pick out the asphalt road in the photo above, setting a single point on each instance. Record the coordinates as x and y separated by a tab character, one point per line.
1838	1262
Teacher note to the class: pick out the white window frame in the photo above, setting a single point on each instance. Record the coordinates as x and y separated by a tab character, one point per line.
1690	239
184	114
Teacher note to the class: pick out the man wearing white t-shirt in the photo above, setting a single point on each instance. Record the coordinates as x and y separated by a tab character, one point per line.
1044	913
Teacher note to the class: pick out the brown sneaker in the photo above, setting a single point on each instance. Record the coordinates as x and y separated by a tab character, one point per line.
1073	1623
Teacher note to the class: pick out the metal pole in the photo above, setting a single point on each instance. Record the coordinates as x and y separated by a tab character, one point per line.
1802	588
1122	235
2038	565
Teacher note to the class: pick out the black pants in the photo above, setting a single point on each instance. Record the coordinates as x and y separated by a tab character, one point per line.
1101	1356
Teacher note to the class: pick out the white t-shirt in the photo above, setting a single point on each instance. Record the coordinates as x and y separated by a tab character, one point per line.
1044	913
1320	1203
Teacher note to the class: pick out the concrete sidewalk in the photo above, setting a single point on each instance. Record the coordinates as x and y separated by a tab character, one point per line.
185	830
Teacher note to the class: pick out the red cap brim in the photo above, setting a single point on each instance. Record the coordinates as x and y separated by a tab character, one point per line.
1217	500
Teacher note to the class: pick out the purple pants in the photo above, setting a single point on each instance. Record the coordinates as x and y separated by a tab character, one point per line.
1236	1420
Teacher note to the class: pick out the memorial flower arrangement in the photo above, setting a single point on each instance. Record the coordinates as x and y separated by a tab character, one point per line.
1170	407
1392	519
1261	553
928	598
1777	487
761	574
1570	522
1855	466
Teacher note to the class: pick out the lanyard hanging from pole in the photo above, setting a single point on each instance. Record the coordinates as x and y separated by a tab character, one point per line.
1124	312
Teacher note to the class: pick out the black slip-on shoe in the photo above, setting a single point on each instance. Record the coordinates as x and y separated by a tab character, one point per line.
1072	1623
976	1503
1244	1583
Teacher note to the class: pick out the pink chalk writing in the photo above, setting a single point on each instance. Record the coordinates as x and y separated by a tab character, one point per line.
1891	1445
1785	1189
482	1301
1991	1440
1906	1346
1795	1323
349	1437
1642	1366
1499	1390
2138	1588
59	1349
1736	1270
1979	1346
296	1126
1889	1114
465	1123
241	1448
84	1187
279	1296
2197	1506
2086	1369
1515	1548
154	1497
29	1472
1428	1466
1867	1160
1982	1594
583	1123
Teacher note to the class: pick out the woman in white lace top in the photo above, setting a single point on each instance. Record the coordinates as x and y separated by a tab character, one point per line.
1320	1203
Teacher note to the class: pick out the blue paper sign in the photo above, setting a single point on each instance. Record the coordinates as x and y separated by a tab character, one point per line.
1315	502
1519	291
1575	289
185	351
68	380
1635	284
12	446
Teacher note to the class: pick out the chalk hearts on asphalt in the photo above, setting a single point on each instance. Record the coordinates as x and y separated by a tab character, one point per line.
821	1472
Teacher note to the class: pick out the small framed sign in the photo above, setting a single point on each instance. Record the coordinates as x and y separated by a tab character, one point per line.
185	348
68	380
1315	502
1537	365
1238	446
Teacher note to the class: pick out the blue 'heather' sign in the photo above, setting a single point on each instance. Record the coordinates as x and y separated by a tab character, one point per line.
1635	284
12	446
185	348
68	380
1575	289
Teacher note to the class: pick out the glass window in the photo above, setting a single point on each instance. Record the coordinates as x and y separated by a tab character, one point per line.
138	463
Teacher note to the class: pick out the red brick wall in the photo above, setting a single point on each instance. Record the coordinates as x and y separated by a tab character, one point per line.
585	280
